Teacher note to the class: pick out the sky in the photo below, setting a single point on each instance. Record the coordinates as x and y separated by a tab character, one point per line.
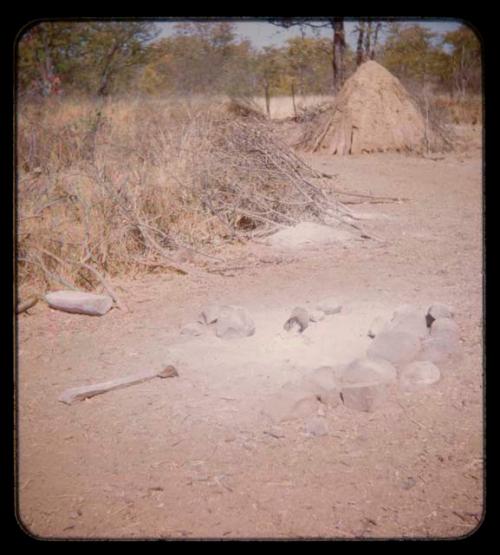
262	33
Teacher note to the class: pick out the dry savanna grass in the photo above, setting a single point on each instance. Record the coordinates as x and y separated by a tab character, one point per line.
116	187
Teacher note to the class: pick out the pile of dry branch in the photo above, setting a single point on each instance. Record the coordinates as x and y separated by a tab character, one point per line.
153	180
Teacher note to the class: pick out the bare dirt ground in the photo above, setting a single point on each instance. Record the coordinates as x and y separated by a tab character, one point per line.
197	457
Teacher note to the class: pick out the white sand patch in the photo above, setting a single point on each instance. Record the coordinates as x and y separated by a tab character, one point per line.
249	369
309	233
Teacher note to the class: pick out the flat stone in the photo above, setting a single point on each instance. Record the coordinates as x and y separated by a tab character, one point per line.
193	328
329	306
443	343
209	314
439	348
378	325
316	316
397	347
79	302
418	375
365	383
445	327
323	384
438	310
367	371
365	398
411	320
234	321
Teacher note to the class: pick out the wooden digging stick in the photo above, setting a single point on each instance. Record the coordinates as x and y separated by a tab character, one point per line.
86	391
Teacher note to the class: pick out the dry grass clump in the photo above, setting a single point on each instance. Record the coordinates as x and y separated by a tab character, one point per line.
459	110
115	188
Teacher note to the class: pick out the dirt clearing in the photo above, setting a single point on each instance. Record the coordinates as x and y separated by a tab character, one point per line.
195	456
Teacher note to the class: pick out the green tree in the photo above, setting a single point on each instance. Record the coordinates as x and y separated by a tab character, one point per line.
308	61
92	57
465	60
204	58
409	52
338	45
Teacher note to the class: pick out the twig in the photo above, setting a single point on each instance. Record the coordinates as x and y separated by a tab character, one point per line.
22	307
48	274
101	279
374	197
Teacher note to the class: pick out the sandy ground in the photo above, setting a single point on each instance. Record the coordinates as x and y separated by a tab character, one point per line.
197	457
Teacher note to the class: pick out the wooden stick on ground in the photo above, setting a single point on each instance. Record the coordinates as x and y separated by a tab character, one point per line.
27	304
84	392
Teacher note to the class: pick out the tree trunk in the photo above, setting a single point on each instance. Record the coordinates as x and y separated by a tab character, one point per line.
368	37
359	46
375	39
338	53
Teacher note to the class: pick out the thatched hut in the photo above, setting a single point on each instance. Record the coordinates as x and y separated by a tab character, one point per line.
373	112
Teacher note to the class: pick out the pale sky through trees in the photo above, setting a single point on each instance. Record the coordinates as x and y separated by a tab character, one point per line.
261	33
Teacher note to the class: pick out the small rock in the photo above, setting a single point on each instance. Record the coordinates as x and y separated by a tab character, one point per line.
209	314
444	341
397	347
366	371
234	321
329	306
409	319
409	483
316	316
365	398
365	383
79	302
442	327
438	348
378	325
193	328
438	310
323	383
299	318
417	375
316	426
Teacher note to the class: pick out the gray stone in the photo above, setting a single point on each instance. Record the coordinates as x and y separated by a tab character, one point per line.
79	302
234	321
411	320
444	341
397	347
209	314
316	426
438	310
439	348
366	371
192	328
365	398
365	383
445	327
299	319
316	316
417	375
323	384
378	325
329	306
